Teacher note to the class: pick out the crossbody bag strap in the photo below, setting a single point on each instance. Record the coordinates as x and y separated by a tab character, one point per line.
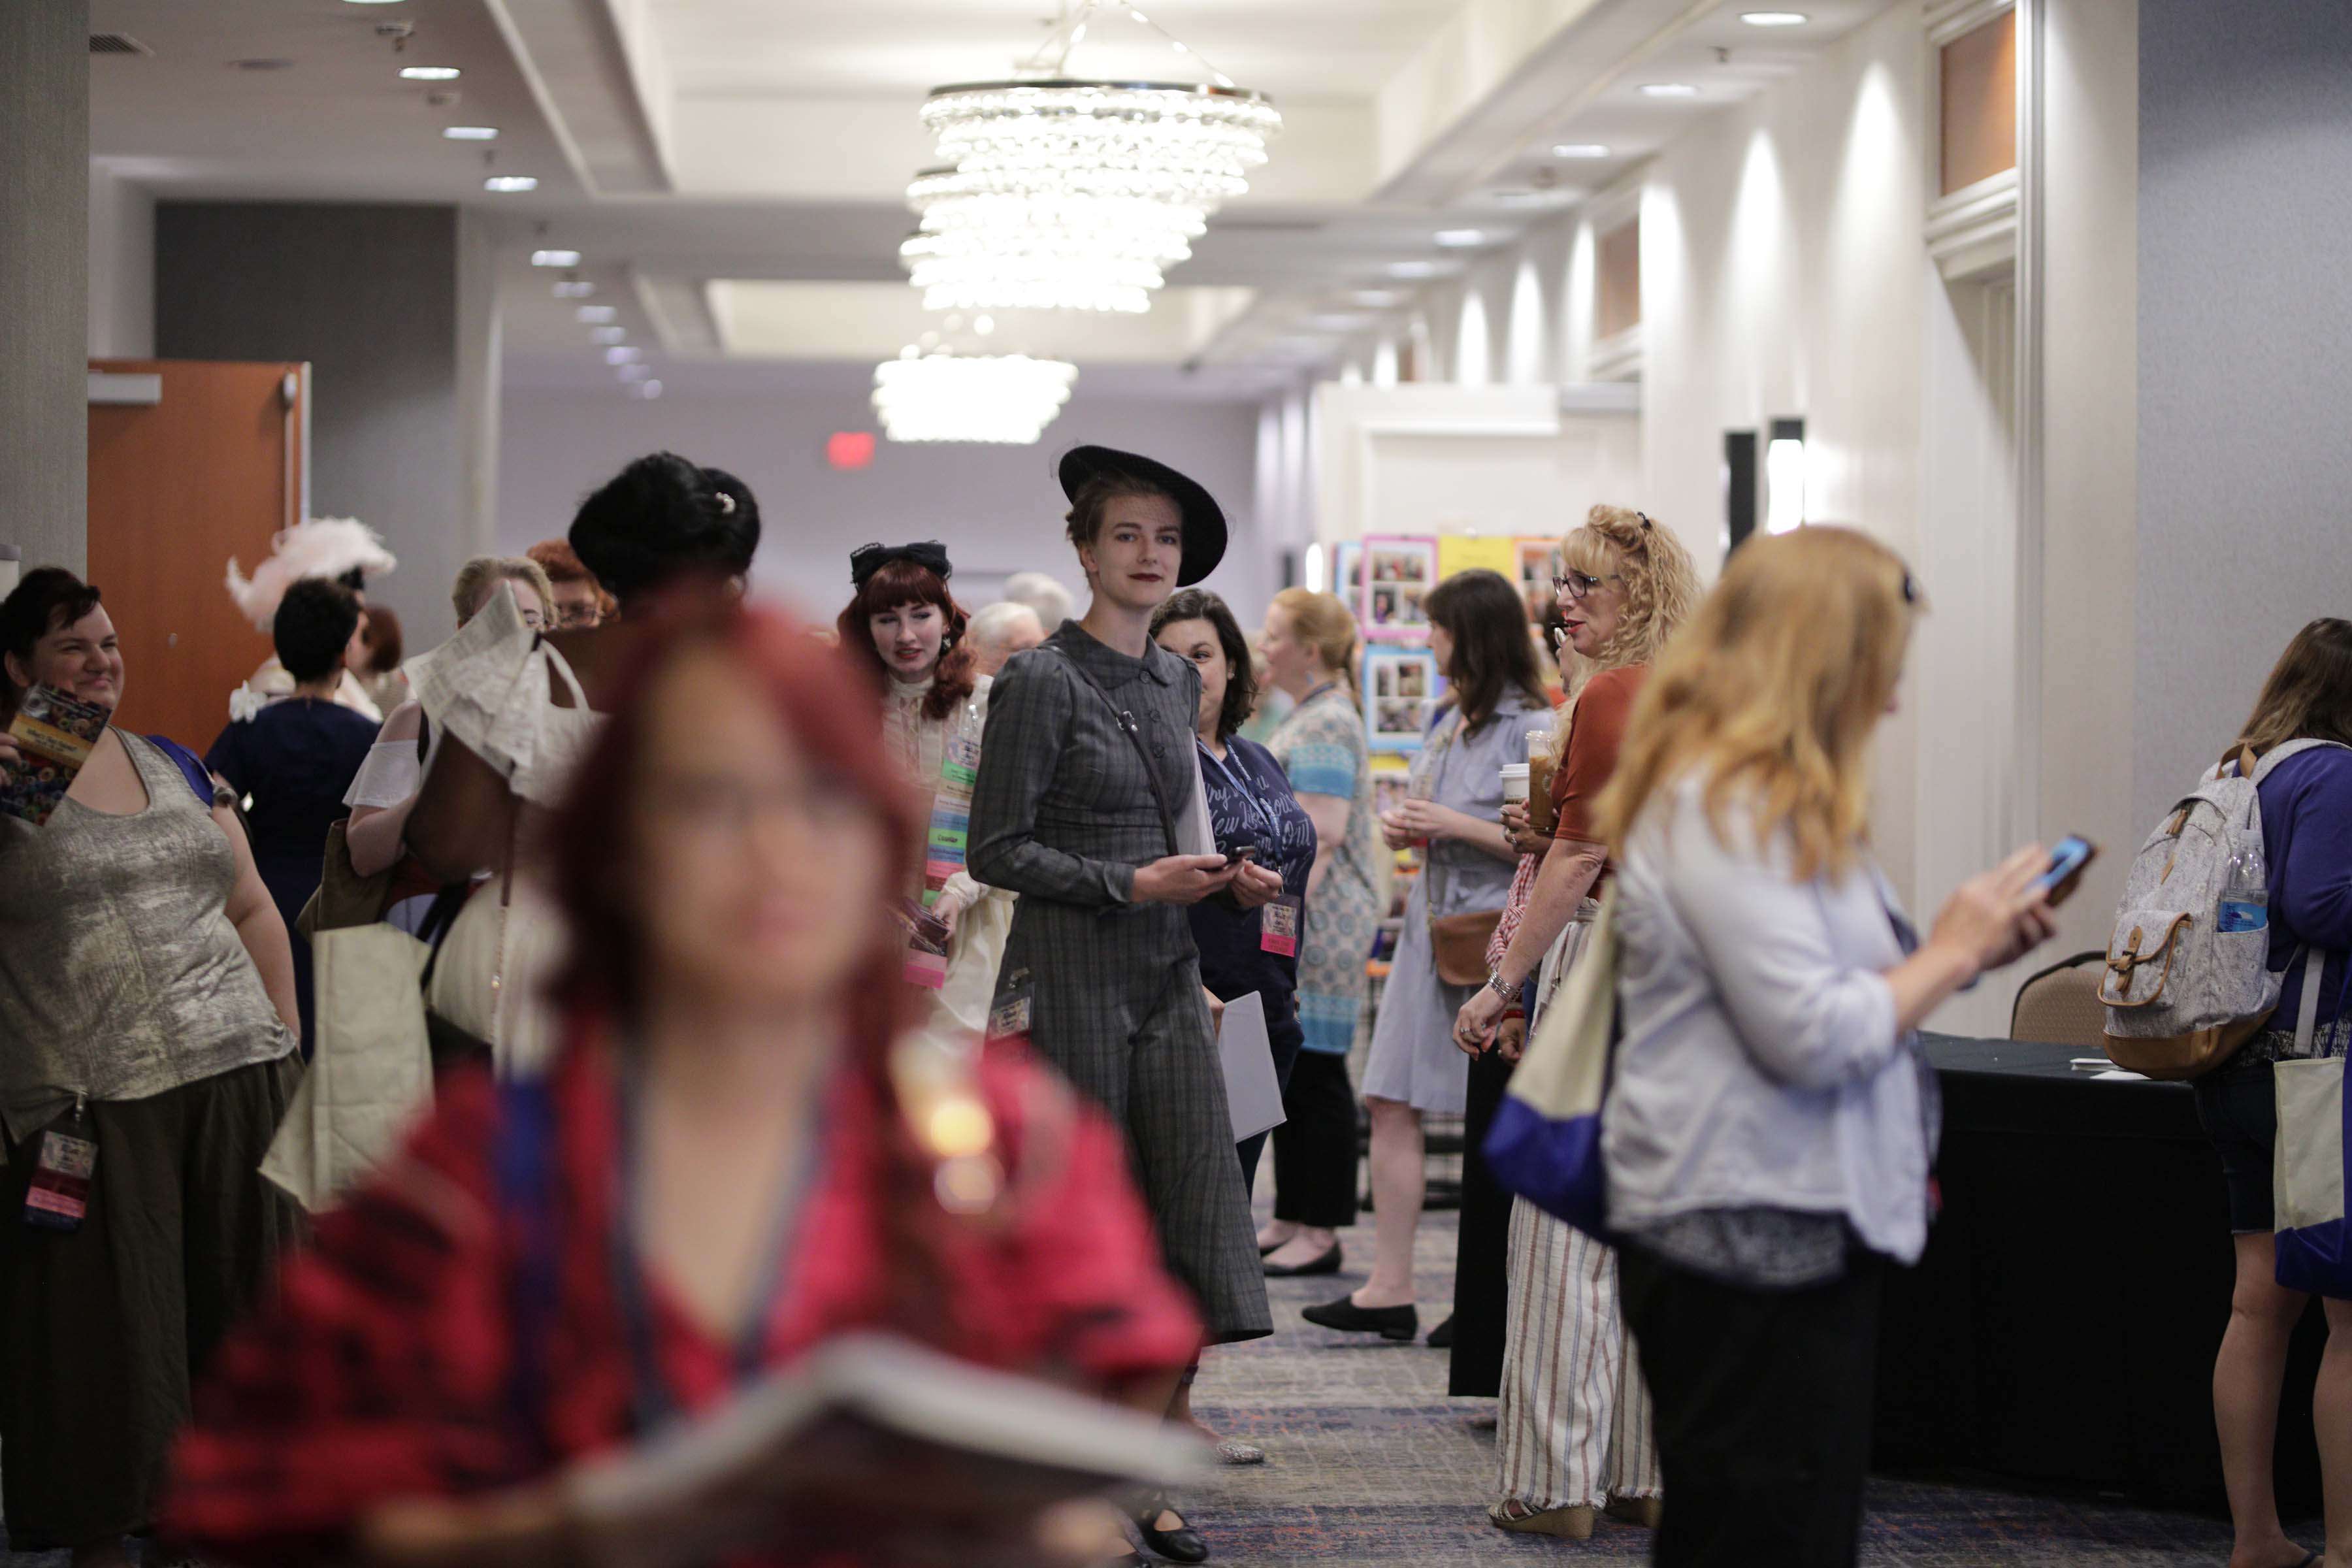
1126	720
2306	1016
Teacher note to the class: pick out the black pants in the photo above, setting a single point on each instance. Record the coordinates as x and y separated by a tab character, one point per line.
1482	1250
103	1329
1762	1402
1315	1149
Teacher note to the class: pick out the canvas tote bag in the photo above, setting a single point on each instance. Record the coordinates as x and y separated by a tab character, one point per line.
2313	1248
1544	1144
370	1071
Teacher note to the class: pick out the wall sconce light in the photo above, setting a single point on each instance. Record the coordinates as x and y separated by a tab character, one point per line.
1784	478
1738	489
1313	570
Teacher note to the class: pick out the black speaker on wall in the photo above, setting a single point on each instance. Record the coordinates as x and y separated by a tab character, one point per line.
1740	477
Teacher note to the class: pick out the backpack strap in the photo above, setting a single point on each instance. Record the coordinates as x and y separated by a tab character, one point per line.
190	766
2278	754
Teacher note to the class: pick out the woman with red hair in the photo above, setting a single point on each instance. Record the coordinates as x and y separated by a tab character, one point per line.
738	1153
904	624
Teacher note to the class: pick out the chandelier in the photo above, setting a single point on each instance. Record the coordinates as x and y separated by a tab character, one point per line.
1062	193
1008	399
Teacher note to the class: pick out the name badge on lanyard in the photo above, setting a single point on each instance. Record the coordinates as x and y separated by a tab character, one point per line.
1277	925
58	1197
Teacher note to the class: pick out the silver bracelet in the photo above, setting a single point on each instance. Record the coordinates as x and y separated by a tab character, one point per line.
1495	983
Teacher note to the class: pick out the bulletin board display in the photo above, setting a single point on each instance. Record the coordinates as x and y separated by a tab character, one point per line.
1399	570
1401	684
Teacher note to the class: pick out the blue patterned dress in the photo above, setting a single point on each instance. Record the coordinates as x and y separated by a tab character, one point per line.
1321	747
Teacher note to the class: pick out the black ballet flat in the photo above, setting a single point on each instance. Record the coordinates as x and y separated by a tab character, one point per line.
1328	1263
1441	1338
1182	1544
1399	1323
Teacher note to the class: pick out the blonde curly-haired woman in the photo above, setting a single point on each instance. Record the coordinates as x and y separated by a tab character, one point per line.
1770	1128
1573	1431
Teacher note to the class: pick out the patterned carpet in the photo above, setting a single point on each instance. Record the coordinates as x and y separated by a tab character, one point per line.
1368	1462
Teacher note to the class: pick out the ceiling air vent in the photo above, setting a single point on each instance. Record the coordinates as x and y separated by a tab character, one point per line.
116	44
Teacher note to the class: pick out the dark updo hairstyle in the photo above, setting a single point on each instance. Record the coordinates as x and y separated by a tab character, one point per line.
663	518
1241	679
313	626
1492	651
901	583
48	597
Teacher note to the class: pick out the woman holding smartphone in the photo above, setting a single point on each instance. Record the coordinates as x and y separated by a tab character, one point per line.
1087	768
1771	1123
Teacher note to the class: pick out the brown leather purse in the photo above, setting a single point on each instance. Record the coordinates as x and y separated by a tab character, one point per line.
1458	943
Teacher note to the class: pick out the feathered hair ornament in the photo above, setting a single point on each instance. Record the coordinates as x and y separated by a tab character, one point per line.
321	547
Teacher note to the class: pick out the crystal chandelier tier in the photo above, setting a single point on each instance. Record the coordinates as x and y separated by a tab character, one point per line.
1059	193
1006	399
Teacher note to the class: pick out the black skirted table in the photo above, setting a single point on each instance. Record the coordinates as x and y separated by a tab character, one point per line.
2062	1325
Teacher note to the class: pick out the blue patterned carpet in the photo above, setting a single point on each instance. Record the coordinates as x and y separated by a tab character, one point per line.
1368	1462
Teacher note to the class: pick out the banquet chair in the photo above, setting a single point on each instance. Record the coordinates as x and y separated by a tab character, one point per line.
2060	1004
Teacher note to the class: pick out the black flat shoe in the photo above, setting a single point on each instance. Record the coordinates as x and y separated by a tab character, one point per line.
1441	1338
1400	1323
1182	1544
1328	1263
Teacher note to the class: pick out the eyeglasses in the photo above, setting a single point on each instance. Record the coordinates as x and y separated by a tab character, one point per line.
1577	585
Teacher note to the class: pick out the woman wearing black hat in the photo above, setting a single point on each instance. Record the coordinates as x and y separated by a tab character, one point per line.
1088	805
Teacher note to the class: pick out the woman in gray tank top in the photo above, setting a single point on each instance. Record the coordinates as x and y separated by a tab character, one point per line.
146	1008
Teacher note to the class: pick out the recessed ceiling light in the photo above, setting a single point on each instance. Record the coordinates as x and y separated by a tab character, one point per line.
1669	90
574	289
1580	149
264	64
647	389
430	73
1376	297
455	133
555	258
623	354
1460	239
511	182
594	315
608	334
1414	269
1774	18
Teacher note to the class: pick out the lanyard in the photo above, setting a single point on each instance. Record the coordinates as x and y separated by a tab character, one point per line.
1238	782
652	1403
1311	696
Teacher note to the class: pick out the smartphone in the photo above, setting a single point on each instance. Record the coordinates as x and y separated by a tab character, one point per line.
2073	853
1246	852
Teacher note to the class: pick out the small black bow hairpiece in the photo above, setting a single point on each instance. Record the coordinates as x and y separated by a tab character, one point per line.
1646	523
868	559
1910	588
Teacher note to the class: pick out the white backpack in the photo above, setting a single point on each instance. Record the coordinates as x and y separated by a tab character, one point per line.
2181	992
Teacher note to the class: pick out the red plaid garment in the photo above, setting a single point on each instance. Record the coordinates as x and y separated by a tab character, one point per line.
384	1365
1515	910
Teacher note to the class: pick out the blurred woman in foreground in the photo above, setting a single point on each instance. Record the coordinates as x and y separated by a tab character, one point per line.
732	1160
1769	1129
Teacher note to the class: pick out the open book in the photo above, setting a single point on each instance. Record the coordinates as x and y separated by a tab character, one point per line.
55	732
870	1422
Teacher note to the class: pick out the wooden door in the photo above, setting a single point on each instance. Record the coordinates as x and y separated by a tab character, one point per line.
212	471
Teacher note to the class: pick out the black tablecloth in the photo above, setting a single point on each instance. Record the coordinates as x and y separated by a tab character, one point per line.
2062	1325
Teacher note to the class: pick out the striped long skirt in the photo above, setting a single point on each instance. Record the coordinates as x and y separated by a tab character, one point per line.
1574	1428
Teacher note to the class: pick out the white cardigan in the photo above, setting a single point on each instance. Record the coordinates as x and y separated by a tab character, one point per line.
1760	1065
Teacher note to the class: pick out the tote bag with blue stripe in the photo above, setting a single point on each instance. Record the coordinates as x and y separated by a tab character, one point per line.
1544	1144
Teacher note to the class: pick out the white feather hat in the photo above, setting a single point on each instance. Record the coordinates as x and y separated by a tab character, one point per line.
320	547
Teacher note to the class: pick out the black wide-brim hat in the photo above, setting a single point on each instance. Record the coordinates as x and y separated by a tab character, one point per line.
1205	520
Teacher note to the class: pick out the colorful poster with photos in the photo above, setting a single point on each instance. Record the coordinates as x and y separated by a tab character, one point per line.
1539	563
1399	572
1347	574
1476	552
1401	689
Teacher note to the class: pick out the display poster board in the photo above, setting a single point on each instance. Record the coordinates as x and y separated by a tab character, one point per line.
1399	686
1399	571
1478	552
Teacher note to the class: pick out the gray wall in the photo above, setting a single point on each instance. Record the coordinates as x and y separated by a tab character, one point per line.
44	298
370	296
997	507
2245	362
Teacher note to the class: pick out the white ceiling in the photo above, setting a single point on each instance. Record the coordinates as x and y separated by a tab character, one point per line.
683	143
